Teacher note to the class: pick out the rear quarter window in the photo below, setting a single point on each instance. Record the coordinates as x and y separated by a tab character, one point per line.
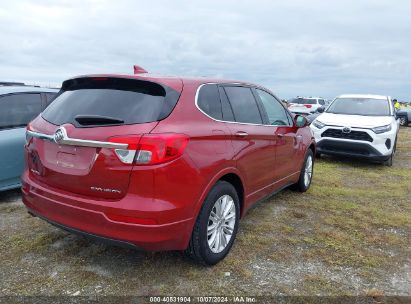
208	100
129	100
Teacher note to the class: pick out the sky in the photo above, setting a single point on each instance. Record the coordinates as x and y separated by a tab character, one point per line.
295	47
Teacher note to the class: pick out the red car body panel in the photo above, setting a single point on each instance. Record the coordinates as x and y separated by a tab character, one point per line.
156	206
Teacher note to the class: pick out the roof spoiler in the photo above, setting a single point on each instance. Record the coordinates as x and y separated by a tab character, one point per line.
139	70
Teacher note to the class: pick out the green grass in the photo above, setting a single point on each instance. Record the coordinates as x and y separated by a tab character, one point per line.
356	216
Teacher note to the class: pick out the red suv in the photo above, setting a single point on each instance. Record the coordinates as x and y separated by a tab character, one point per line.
162	163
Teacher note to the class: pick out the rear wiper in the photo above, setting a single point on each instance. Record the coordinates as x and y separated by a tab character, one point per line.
97	120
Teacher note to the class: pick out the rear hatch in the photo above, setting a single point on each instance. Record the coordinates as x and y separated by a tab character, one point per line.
81	142
302	105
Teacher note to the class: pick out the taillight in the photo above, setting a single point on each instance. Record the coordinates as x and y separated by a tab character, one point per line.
28	137
126	155
151	149
308	105
160	148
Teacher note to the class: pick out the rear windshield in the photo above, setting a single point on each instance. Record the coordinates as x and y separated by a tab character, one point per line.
127	100
303	101
360	106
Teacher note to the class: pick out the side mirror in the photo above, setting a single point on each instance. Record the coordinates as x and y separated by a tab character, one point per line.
301	121
321	109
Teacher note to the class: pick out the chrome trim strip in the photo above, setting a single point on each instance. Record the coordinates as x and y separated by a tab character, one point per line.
63	139
231	122
40	135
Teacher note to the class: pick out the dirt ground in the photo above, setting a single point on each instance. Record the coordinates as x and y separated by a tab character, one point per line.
348	235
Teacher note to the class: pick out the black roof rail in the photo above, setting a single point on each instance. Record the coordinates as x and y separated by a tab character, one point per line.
10	83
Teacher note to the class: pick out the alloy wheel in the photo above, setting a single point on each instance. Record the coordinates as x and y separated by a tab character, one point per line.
308	171
221	223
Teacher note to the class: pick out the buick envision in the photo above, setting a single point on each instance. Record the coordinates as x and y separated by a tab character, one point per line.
162	163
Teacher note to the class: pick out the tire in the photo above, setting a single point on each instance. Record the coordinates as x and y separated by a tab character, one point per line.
403	121
302	184
199	248
389	161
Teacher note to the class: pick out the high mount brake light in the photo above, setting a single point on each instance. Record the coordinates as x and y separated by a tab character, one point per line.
151	149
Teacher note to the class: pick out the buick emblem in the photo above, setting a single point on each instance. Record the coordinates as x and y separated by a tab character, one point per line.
346	130
59	135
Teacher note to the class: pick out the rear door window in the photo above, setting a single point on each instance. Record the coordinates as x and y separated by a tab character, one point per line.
128	101
244	104
208	101
17	110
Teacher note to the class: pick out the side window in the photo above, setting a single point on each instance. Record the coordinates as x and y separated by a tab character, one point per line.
244	105
276	113
17	110
321	102
50	97
209	101
228	114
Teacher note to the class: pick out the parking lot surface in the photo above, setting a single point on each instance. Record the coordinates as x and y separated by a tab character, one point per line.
350	234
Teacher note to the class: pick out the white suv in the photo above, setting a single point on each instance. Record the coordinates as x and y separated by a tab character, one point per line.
306	105
358	125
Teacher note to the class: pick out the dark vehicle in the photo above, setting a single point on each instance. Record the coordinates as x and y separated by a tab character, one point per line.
404	115
19	104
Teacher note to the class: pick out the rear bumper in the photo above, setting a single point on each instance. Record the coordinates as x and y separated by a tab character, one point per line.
90	236
351	149
300	112
91	220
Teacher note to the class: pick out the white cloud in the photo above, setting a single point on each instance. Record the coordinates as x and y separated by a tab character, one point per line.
294	47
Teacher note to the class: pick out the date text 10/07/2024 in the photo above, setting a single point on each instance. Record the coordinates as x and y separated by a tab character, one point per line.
199	299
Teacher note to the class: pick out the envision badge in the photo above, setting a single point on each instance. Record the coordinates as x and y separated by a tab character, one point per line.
99	189
346	130
59	134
